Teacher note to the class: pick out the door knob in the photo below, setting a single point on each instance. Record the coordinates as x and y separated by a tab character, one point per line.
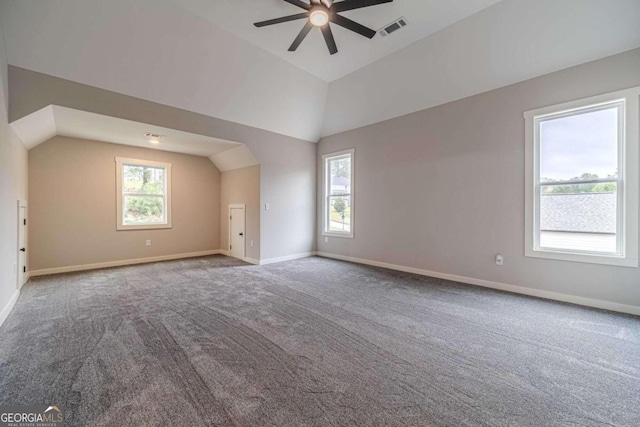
242	234
23	250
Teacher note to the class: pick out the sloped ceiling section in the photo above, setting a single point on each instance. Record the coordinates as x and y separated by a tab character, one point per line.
512	41
236	158
37	127
158	51
42	125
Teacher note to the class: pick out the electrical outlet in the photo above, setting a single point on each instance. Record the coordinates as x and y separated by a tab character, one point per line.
499	260
148	243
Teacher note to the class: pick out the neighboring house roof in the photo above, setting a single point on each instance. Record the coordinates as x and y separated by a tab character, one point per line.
582	213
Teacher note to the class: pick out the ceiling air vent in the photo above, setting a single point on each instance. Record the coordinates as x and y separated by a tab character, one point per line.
153	135
394	26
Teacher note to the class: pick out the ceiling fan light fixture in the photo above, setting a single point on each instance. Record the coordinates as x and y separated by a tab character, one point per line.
319	17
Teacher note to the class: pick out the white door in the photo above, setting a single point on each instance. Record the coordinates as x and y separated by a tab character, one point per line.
22	245
236	232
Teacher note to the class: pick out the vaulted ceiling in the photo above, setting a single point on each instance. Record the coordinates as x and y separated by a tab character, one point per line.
425	17
206	56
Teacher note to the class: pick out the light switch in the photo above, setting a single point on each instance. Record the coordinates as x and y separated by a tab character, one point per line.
148	243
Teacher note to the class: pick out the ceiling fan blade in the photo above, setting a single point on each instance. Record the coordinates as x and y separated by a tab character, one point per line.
325	3
305	30
299	3
328	37
304	15
356	4
353	26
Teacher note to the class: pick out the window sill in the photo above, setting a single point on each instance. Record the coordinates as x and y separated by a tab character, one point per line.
143	227
614	260
342	235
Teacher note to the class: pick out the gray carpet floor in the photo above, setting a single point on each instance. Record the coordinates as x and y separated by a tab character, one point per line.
312	342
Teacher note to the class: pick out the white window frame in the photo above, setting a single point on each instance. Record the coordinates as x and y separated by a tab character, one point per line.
327	191
120	162
628	183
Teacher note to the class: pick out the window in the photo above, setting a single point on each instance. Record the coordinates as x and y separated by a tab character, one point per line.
143	194
582	180
338	191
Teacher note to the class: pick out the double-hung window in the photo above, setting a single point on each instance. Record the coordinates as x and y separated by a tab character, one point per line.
338	193
582	180
143	194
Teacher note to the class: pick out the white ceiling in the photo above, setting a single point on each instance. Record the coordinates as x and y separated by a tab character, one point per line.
512	41
205	56
44	124
158	51
425	17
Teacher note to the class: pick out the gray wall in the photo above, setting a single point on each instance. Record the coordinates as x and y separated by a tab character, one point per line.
287	165
241	186
13	186
443	189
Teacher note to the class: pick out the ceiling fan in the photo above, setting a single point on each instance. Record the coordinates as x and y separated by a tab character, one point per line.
320	13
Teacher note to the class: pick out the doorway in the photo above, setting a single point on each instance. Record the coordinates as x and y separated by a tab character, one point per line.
22	243
236	231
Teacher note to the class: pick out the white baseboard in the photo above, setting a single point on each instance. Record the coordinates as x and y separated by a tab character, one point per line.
246	259
9	306
27	276
286	258
589	302
121	263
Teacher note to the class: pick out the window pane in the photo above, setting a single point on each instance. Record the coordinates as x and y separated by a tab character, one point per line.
573	218
142	180
580	146
143	210
340	176
340	213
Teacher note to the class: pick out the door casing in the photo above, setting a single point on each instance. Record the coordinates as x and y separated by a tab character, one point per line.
22	243
242	207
